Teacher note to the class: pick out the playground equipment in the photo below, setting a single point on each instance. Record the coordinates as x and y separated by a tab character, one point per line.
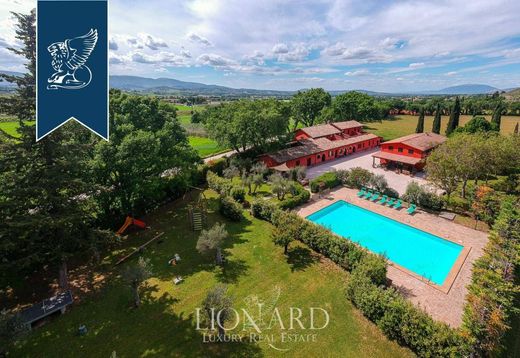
131	221
139	249
197	213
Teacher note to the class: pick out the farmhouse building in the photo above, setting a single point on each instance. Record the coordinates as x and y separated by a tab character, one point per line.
408	153
317	144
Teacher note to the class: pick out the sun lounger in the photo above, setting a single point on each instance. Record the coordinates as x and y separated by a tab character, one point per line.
398	204
411	209
361	192
383	199
375	197
367	195
390	201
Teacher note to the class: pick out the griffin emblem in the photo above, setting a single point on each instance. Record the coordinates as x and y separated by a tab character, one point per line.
68	60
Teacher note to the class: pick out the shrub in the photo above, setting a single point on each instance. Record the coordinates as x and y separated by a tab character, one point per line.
218	184
378	182
299	196
230	208
373	267
238	193
357	178
330	180
423	197
494	283
391	193
217	166
263	209
297	173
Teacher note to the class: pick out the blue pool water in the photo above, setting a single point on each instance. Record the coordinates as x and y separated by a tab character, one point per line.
425	254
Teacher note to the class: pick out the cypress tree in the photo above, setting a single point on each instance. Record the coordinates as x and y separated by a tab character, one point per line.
436	128
420	122
516	130
454	117
497	116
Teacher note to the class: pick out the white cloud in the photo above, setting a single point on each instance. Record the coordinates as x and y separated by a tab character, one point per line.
193	37
361	72
415	65
280	48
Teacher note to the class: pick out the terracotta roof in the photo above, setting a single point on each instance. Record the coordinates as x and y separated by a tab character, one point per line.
314	146
422	141
347	125
397	158
321	130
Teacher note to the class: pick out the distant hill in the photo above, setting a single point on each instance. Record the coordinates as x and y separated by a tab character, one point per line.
465	89
172	86
513	94
8	85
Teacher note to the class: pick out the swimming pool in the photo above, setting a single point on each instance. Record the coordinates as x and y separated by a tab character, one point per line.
420	252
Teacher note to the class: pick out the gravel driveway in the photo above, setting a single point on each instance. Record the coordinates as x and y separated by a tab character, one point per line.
364	160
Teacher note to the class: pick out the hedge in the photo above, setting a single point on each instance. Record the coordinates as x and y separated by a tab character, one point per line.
299	196
230	208
330	179
219	184
263	209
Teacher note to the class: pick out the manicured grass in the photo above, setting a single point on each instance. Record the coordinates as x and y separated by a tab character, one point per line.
205	146
403	125
11	127
184	118
165	325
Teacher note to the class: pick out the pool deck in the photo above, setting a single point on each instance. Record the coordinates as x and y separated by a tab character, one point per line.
444	303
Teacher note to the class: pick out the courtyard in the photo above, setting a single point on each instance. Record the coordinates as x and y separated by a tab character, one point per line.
364	159
443	303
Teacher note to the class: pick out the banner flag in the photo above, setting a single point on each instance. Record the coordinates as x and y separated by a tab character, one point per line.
72	65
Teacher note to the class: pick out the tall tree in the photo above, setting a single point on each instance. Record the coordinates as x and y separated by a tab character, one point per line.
436	128
420	122
44	198
497	116
247	124
453	123
148	156
354	106
22	105
307	105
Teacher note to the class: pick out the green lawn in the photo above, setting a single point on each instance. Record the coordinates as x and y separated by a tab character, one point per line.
11	127
184	118
403	125
164	325
205	146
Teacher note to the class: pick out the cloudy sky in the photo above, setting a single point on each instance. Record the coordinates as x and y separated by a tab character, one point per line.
379	45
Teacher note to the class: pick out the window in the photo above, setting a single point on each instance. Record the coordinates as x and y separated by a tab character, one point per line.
330	153
391	147
410	151
400	150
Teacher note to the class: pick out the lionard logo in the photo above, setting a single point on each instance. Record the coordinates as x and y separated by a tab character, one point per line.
69	60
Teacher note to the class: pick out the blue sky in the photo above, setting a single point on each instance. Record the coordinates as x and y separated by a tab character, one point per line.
378	45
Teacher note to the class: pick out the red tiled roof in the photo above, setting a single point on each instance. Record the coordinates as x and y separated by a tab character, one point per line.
347	125
397	158
321	130
421	141
314	146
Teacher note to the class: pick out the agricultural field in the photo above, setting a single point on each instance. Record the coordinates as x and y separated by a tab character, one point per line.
205	146
165	323
404	124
